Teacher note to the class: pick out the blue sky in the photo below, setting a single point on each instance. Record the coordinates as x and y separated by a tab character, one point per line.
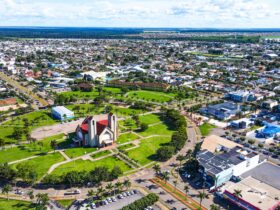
142	13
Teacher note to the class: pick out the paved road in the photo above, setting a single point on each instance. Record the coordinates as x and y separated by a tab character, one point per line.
22	89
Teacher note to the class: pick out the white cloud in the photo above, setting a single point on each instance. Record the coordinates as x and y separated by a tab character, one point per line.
141	13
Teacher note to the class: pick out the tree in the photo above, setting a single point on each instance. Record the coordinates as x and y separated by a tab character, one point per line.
127	184
175	182
118	186
100	191
6	189
144	126
42	200
109	187
165	176
53	144
187	189
237	193
157	169
31	194
7	173
214	207
180	158
201	196
165	152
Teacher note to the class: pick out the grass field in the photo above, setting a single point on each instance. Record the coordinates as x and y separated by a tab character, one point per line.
126	146
35	119
123	111
87	165
206	128
42	163
15	205
151	96
145	153
80	94
159	129
65	203
79	151
150	118
101	154
27	150
126	137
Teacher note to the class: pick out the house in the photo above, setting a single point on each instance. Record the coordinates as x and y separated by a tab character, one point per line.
221	111
240	96
220	160
269	104
8	101
241	123
97	131
62	113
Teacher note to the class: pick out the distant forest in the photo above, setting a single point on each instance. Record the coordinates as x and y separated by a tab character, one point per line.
128	33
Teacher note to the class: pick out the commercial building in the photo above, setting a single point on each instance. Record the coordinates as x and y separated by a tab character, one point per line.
221	111
259	187
241	123
223	161
240	96
62	113
97	131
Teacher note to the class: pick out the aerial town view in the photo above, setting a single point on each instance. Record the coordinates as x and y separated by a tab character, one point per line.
139	105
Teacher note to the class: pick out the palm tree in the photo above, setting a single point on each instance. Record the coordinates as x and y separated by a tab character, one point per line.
165	176
109	187
175	182
187	189
237	193
100	191
180	158
201	196
157	168
91	193
127	184
6	189
118	185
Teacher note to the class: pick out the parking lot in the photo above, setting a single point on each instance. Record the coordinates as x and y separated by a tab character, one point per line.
113	202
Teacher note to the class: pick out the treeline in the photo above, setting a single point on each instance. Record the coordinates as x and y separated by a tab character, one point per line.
142	203
80	178
179	137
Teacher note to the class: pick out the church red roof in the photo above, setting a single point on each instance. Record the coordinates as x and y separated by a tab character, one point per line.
101	125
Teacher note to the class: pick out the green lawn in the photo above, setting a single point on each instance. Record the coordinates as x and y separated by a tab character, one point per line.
65	203
123	111
153	96
205	129
87	165
145	153
126	146
159	129
126	137
35	119
15	205
101	154
42	163
113	90
79	151
80	94
27	150
150	118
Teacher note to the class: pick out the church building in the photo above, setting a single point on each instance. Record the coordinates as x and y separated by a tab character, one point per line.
97	131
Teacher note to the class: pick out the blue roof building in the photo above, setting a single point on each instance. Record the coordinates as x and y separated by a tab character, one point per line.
240	96
62	113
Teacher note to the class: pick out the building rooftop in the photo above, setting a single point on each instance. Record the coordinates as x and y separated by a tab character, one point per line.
62	110
254	192
211	143
267	173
